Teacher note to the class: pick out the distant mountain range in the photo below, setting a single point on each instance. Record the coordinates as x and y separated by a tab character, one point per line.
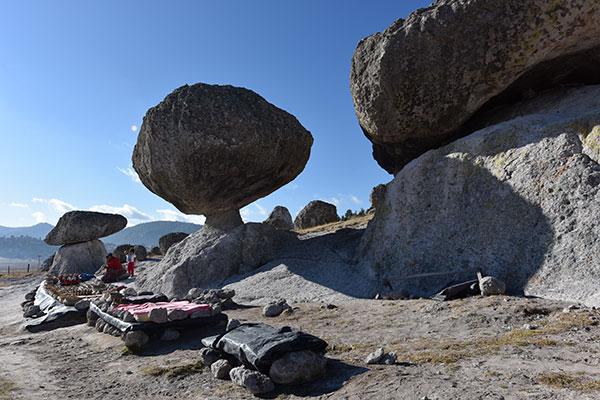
147	234
38	231
27	243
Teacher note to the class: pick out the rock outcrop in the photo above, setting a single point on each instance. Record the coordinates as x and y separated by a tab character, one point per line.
77	258
168	240
211	150
431	77
316	213
82	226
518	200
208	257
280	218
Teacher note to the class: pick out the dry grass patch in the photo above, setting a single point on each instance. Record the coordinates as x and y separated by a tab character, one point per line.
356	223
7	388
573	381
175	371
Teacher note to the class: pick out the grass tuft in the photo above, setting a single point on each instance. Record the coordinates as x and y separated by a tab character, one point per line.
575	381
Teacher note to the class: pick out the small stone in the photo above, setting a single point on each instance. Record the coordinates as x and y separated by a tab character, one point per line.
30	296
32	312
158	315
232	324
128	292
389	358
220	369
254	381
128	317
298	367
91	317
209	356
169	335
201	314
82	305
275	308
136	339
375	357
530	327
100	324
194	293
215	309
491	286
176	315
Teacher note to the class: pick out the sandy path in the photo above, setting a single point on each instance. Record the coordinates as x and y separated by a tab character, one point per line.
474	348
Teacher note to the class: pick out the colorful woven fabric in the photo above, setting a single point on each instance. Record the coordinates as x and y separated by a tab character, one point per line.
141	311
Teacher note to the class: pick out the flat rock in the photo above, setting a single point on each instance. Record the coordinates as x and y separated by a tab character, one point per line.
82	226
518	199
135	339
280	218
316	213
425	79
210	149
208	257
77	258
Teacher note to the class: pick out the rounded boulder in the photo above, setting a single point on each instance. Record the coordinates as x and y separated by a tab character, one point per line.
211	149
82	226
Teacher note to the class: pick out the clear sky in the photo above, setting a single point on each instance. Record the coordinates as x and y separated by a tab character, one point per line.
76	78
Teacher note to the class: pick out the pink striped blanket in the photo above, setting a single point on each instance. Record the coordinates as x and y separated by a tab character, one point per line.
141	311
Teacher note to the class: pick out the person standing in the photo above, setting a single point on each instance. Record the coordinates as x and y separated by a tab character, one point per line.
131	260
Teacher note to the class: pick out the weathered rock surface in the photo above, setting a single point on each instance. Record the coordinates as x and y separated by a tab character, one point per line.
82	226
316	213
298	367
211	149
47	263
490	286
168	240
209	356
220	369
518	200
275	308
211	255
77	258
254	381
280	218
422	80
377	195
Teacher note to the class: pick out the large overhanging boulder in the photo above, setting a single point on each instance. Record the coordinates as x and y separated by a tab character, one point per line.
430	78
211	150
82	226
518	200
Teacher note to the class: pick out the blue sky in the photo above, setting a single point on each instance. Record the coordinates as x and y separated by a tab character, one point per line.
77	77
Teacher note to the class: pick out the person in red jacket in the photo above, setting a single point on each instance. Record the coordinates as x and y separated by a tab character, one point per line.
114	269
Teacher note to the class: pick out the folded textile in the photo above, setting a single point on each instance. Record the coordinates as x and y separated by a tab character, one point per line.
141	312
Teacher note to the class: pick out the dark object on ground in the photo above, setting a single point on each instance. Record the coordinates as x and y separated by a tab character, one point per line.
459	291
55	314
259	345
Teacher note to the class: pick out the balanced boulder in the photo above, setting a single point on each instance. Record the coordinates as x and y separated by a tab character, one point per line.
431	77
82	226
168	240
211	149
518	199
280	218
316	213
77	258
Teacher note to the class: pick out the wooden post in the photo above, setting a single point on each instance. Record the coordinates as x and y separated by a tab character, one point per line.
27	268
9	270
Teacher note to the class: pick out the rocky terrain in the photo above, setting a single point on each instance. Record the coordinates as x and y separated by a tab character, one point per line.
496	347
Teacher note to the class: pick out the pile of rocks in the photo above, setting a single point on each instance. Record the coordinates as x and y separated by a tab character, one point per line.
77	232
29	309
293	368
222	298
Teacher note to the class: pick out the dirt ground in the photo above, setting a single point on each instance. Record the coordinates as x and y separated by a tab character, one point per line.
477	348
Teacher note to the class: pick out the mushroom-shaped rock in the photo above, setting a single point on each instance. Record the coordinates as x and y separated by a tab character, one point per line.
168	240
316	213
211	149
280	218
82	226
423	80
